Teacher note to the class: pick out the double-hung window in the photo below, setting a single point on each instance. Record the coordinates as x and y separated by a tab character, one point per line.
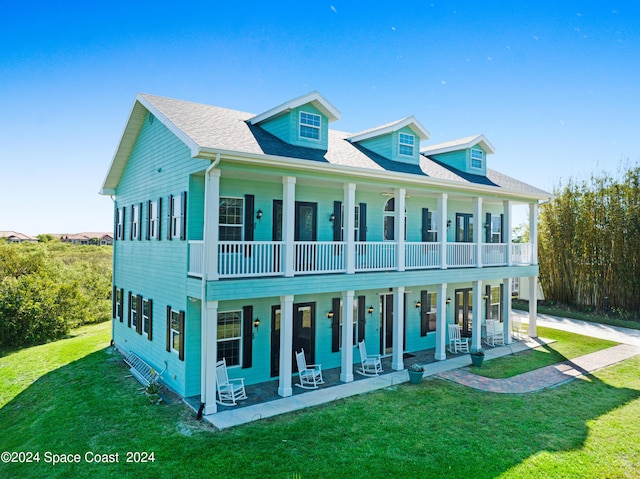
389	220
477	157
355	322
153	211
432	226
405	144
176	331
146	317
309	125
135	222
133	311
231	219
176	216
496	229
494	306
356	227
120	223
230	337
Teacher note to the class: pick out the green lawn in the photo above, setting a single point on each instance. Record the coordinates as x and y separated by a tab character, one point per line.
566	346
78	400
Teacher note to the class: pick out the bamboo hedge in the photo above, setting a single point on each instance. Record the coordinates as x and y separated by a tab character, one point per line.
589	243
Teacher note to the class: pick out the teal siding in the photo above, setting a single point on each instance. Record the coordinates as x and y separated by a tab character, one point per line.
388	146
286	127
160	165
461	160
193	348
382	145
195	221
279	127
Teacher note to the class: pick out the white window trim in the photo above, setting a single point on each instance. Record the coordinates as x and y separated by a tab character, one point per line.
472	158
386	213
355	323
134	312
119	306
174	331
404	143
154	231
242	215
432	228
120	224
135	221
143	316
300	125
176	216
235	338
356	226
494	232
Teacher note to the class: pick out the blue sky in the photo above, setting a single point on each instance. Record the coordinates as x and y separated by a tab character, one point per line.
554	85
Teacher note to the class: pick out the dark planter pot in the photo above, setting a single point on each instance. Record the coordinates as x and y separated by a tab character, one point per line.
415	377
477	360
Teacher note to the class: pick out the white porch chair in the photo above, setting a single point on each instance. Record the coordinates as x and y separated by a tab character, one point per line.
495	333
309	375
518	331
229	390
371	364
457	344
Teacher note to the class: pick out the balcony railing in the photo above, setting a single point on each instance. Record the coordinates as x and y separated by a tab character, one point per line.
238	259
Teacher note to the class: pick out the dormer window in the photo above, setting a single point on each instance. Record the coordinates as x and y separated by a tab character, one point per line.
405	144
309	125
477	157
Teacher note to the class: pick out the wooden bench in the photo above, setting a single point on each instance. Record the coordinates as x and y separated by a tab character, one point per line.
141	370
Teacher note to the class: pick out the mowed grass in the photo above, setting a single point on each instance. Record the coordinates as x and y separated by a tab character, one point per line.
79	400
566	346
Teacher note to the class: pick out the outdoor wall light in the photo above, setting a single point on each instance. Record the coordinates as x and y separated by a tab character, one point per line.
330	315
332	218
256	323
448	300
370	310
485	297
448	223
259	215
418	305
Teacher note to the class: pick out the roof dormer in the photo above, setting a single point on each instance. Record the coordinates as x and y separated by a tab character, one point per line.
303	121
397	141
468	154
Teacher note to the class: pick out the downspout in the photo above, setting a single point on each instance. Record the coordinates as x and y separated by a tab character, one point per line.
205	277
113	278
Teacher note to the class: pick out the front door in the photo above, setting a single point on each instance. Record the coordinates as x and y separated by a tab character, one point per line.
275	341
306	221
304	332
464	311
464	228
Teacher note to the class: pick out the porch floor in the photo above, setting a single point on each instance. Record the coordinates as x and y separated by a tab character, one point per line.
263	400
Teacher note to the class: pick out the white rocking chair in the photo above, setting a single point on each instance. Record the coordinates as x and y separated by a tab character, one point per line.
371	365
495	334
229	390
309	375
457	344
518	331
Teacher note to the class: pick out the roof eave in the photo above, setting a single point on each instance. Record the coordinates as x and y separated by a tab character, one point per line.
410	121
320	102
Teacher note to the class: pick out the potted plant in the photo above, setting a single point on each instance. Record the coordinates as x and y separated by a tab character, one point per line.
415	373
477	358
152	392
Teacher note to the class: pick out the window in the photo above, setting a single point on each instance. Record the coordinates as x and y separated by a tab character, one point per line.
120	223
118	306
476	158
494	311
175	224
134	233
146	318
153	218
389	220
430	311
309	125
356	228
231	219
464	227
496	229
432	226
355	322
405	144
230	336
176	332
133	311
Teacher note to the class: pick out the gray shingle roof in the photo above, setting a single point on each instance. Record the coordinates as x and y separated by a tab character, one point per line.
216	128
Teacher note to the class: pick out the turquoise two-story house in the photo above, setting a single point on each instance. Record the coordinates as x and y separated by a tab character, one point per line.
249	237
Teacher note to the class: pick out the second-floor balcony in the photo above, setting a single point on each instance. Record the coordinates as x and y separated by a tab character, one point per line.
245	259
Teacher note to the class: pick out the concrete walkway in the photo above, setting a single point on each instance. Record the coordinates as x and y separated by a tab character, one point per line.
546	377
449	369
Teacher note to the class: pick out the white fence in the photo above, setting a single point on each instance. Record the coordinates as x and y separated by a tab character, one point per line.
421	255
255	258
319	257
375	256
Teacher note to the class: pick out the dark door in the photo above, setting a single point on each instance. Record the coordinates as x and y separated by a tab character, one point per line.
306	221
386	323
304	332
464	311
275	340
464	228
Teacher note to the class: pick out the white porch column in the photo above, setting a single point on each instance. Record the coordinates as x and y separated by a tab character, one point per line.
506	309
478	231
288	222
400	195
286	345
476	330
441	323
346	372
533	231
397	361
442	228
209	356
212	225
350	225
507	231
533	306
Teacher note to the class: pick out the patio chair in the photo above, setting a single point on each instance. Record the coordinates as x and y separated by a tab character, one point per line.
229	390
371	364
457	344
309	375
495	333
518	331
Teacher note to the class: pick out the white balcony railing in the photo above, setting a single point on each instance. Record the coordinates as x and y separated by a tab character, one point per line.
319	257
494	254
521	253
266	258
421	255
255	258
375	256
461	255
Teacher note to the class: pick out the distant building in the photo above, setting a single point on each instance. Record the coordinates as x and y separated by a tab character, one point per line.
15	237
87	238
